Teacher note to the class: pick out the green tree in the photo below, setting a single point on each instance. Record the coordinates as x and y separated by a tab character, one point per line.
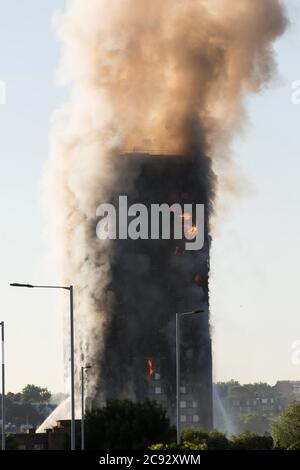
251	441
122	424
213	440
15	397
286	430
27	407
33	394
185	445
18	412
10	442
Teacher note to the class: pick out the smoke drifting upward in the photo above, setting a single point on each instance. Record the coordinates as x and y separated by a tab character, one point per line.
166	76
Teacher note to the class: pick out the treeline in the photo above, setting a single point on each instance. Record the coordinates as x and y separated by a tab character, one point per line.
122	424
28	407
127	425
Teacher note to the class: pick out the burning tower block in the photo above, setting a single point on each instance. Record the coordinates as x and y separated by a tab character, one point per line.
151	281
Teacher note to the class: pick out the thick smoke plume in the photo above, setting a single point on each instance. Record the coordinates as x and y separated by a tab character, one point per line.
161	76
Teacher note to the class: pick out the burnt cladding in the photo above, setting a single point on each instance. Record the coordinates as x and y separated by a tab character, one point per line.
151	281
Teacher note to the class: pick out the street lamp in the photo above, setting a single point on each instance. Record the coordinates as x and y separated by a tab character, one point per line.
3	387
178	315
83	369
70	289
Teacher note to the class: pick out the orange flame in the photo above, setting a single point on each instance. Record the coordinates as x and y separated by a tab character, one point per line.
193	229
150	368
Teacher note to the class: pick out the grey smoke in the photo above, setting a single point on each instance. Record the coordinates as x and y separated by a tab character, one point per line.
162	77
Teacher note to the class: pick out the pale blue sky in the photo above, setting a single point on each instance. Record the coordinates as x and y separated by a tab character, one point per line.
255	264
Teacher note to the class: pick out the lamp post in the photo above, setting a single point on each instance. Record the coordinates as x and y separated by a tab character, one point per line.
70	289
178	315
3	387
83	369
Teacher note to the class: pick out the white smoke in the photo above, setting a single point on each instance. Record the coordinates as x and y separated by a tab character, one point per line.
162	76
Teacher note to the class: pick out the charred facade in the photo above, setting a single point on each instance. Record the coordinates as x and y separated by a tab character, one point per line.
151	280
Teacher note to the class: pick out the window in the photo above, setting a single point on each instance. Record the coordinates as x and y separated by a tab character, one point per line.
183	419
182	389
194	404
195	419
156	376
158	390
183	404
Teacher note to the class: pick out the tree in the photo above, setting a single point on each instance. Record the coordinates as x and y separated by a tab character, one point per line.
33	394
286	430
254	422
10	442
212	440
251	441
18	412
185	445
122	424
29	407
217	441
15	397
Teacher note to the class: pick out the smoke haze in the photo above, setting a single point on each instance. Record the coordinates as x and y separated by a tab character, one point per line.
166	76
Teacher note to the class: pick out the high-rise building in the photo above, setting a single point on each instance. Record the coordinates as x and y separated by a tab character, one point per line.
151	280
